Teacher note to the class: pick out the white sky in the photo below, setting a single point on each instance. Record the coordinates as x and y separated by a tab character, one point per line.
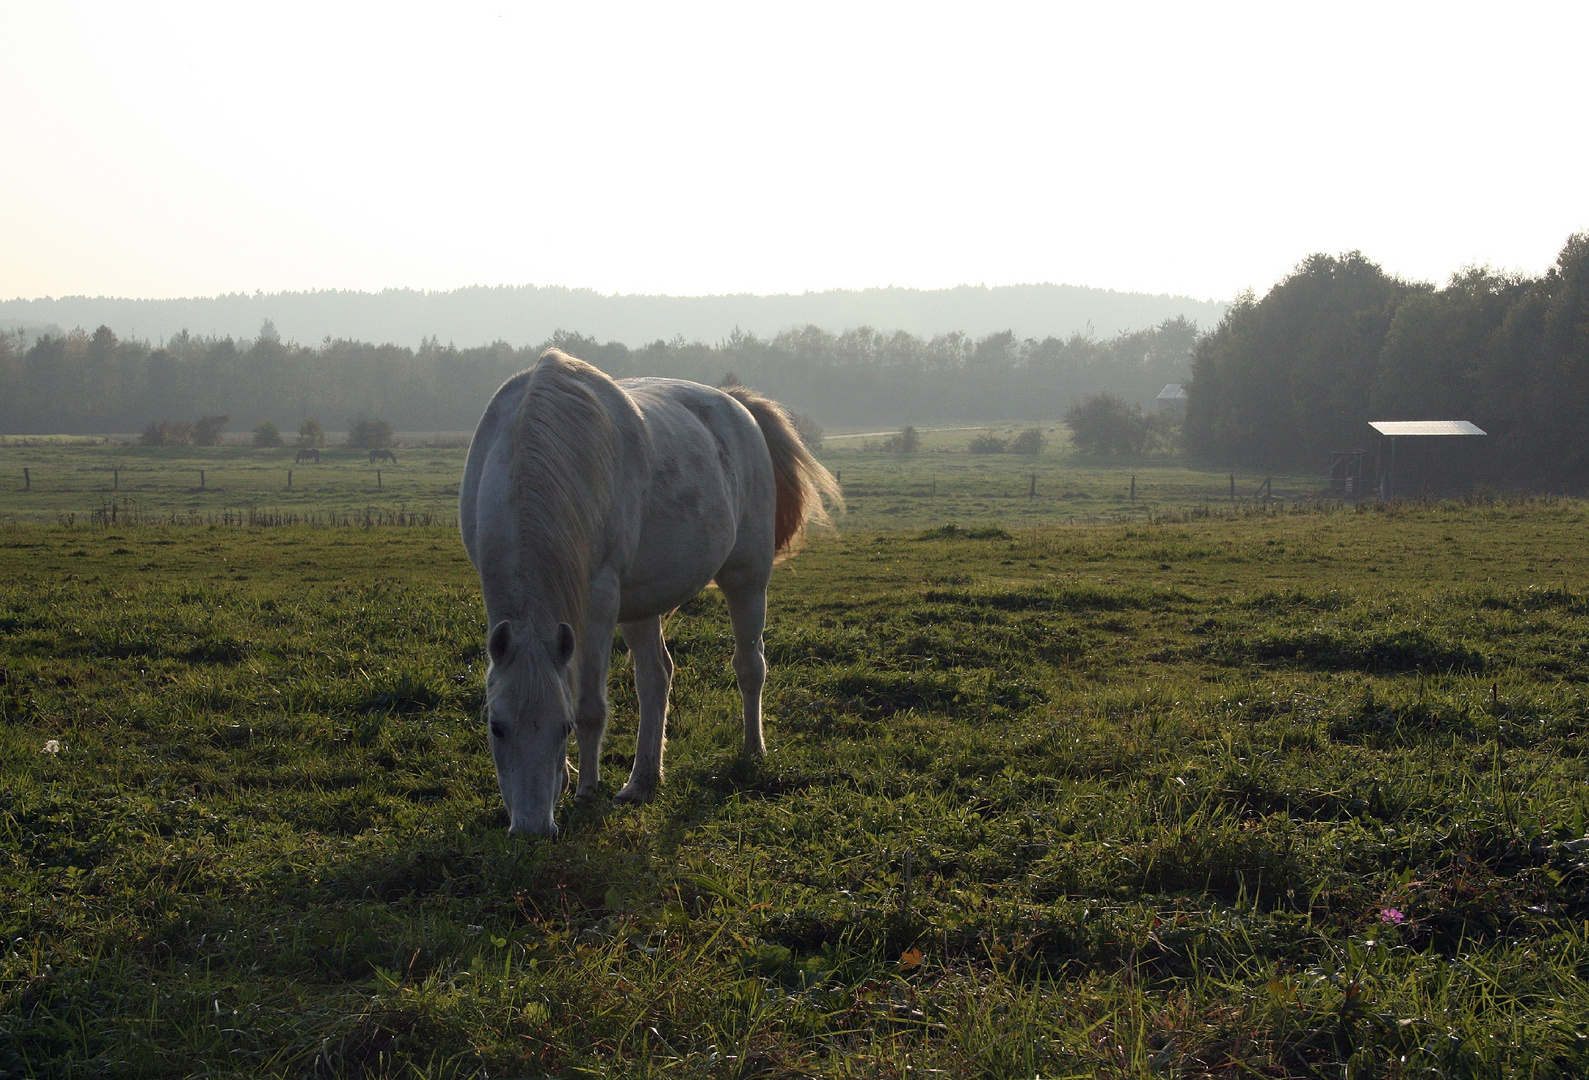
169	149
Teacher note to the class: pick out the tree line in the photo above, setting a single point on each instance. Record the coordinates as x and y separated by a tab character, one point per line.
1283	381
95	382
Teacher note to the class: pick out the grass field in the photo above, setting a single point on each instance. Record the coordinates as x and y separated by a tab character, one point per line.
1283	791
942	483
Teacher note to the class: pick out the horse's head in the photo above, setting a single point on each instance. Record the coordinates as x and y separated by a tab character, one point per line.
531	713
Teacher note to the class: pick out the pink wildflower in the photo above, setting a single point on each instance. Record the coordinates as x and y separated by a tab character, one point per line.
1392	916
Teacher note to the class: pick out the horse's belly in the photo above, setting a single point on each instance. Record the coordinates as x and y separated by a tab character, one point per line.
671	569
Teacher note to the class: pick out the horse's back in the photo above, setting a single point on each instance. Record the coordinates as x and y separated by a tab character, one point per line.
692	488
710	458
710	496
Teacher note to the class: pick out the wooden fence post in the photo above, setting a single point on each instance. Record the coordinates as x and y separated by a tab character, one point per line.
1232	487
1133	489
289	479
27	479
201	479
377	477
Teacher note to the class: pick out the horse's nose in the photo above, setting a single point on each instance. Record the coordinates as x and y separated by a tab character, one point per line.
548	829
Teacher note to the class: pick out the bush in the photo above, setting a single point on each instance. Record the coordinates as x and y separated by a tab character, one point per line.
207	430
906	442
266	433
809	431
310	433
369	432
1029	442
167	433
989	444
1164	432
1105	424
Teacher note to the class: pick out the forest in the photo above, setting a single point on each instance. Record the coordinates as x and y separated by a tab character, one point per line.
1282	381
96	383
1278	383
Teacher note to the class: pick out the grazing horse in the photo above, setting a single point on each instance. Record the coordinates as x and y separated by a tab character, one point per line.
308	453
588	503
382	455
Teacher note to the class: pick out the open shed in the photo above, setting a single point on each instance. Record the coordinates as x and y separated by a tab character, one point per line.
1172	400
1427	458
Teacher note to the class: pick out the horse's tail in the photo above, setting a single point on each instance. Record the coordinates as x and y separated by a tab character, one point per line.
805	488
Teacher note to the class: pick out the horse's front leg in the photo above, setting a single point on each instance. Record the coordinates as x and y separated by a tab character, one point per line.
653	678
595	654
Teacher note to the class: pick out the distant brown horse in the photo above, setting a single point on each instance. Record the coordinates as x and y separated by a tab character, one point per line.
382	455
308	453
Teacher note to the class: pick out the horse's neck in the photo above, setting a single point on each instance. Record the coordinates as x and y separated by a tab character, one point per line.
523	588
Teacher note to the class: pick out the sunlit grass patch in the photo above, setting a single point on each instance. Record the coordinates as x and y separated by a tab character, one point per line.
1063	801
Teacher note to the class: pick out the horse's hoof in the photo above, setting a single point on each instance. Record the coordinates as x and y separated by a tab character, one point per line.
633	794
584	798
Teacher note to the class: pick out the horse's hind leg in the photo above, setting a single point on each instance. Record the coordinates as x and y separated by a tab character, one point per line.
747	609
653	678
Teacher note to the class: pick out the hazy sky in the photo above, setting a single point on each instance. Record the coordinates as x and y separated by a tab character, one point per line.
171	149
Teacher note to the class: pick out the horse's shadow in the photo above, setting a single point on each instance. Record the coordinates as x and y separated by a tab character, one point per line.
473	864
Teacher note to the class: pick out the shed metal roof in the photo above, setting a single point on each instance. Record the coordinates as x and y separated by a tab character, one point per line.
1426	427
1172	392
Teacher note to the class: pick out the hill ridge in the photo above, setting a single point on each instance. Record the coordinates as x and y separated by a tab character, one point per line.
522	314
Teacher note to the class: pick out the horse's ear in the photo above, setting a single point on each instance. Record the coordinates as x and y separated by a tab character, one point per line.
499	641
563	645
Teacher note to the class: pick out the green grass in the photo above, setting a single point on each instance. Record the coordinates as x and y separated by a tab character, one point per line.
74	482
943	483
1123	800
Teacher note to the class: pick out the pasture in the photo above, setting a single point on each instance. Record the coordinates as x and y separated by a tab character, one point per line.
1228	792
943	483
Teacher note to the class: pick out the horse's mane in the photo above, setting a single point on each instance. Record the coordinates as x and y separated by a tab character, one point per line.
565	452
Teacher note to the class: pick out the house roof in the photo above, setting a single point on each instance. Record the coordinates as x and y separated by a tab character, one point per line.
1172	392
1426	427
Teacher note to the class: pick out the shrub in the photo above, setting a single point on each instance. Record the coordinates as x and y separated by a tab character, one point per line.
207	430
809	431
310	433
1105	424
1029	442
1164	432
266	433
167	433
989	444
369	432
906	442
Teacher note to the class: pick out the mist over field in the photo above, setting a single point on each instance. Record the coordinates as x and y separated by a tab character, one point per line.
1279	382
526	314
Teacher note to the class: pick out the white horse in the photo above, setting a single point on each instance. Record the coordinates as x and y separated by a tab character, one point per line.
588	504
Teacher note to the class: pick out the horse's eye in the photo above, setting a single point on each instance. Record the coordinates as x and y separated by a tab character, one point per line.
499	730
